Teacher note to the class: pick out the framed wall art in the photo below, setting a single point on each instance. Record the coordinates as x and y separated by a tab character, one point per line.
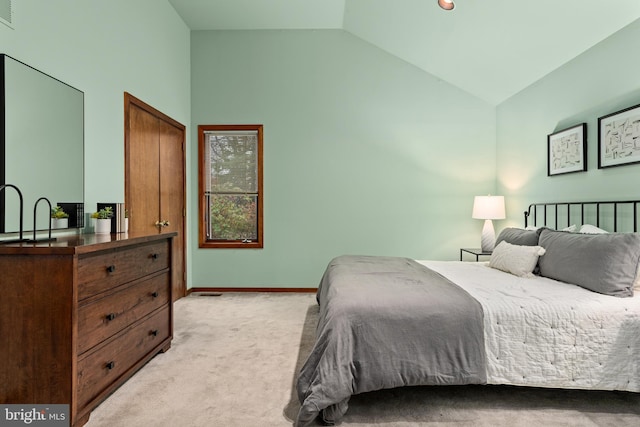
619	138
567	150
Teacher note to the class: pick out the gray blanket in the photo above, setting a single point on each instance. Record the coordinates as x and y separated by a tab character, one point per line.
387	322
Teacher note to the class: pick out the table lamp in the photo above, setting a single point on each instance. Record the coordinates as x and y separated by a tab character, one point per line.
488	208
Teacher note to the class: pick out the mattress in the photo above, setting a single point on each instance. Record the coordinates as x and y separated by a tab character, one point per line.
544	333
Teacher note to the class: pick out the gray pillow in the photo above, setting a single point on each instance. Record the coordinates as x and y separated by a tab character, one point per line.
518	236
603	263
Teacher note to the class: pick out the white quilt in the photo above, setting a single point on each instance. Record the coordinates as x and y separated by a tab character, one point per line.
544	333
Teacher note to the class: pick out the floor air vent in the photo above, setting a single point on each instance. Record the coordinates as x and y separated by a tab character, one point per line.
207	294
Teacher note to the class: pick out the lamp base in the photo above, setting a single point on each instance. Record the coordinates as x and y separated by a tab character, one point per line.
488	239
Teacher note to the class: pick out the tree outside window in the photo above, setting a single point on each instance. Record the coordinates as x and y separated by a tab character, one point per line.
230	186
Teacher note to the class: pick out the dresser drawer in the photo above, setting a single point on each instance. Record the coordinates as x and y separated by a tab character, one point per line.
104	366
105	270
106	316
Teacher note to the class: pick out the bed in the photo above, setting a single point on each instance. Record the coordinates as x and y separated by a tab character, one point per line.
554	307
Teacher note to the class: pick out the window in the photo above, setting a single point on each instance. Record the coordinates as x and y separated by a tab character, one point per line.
230	186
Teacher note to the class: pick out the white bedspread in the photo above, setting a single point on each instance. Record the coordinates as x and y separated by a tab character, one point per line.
544	333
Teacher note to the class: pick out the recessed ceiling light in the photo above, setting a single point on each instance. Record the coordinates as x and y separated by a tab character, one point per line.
446	4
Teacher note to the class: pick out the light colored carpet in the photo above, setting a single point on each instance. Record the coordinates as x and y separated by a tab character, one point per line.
234	359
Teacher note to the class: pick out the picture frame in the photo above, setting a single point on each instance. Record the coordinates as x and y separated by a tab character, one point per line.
619	138
567	150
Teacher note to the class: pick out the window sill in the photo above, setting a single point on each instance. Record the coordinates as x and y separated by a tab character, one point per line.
210	244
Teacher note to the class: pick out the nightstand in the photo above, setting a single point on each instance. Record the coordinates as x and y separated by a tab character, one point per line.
475	251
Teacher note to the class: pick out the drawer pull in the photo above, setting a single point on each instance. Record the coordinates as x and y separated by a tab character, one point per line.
111	269
154	294
154	333
154	256
111	316
111	365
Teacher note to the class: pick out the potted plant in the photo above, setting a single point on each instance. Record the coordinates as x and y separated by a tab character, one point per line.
59	218
103	220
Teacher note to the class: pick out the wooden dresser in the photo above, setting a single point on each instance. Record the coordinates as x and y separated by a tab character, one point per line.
79	316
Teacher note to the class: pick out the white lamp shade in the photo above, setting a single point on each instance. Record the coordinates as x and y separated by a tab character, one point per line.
488	207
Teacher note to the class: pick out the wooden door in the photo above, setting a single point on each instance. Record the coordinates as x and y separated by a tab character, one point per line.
155	179
142	194
172	189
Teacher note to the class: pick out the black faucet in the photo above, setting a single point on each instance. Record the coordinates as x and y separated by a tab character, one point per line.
35	208
21	239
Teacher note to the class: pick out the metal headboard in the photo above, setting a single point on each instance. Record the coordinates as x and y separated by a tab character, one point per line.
594	212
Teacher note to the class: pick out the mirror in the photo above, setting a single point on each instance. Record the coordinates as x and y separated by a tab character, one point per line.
41	144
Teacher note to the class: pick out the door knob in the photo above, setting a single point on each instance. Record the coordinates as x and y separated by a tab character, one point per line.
161	224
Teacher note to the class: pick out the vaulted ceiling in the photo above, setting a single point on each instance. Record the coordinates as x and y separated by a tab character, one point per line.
490	48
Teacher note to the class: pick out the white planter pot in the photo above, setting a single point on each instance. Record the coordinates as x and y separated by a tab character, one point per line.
103	226
59	223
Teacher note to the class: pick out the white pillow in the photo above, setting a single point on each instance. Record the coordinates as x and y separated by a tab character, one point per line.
592	229
516	259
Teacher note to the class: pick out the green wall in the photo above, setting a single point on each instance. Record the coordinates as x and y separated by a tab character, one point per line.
364	153
105	48
600	81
